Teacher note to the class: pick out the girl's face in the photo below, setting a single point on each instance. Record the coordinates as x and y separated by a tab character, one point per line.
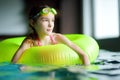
45	24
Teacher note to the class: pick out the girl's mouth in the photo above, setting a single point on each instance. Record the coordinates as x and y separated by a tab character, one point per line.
48	30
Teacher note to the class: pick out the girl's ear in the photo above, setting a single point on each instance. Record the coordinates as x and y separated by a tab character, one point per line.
31	22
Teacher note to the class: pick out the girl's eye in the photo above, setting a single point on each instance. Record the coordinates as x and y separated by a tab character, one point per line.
44	19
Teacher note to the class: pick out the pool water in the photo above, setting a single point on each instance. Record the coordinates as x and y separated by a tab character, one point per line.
106	67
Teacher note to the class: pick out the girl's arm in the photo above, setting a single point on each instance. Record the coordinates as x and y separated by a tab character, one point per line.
80	52
25	45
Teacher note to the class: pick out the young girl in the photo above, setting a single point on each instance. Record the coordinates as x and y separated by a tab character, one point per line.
42	22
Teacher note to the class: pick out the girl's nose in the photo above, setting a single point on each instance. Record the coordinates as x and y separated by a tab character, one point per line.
50	24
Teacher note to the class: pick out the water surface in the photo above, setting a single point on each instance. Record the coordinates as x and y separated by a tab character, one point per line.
106	67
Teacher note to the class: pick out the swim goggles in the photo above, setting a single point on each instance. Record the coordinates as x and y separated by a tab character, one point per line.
45	11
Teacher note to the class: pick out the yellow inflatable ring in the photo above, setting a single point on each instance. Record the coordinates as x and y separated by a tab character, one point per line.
58	54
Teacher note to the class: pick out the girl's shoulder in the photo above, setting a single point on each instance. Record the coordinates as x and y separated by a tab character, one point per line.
29	40
59	36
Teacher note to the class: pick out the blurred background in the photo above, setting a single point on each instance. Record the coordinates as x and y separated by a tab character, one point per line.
96	18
